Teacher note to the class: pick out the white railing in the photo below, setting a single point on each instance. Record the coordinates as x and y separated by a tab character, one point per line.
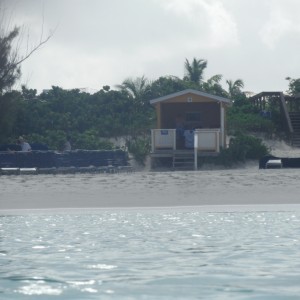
163	139
207	139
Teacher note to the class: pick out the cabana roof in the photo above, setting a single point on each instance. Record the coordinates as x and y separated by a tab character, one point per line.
191	91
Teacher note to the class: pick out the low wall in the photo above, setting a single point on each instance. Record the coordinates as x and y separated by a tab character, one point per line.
50	159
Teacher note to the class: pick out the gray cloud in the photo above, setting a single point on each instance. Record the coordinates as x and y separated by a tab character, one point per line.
103	42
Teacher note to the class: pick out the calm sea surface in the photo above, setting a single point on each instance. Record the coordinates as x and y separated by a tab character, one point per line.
150	253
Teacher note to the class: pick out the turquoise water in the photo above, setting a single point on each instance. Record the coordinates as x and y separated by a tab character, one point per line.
150	254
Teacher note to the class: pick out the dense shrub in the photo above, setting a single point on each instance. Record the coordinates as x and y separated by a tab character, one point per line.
139	148
249	122
90	140
55	140
243	147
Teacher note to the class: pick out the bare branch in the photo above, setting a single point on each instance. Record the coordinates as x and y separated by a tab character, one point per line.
33	50
41	43
10	50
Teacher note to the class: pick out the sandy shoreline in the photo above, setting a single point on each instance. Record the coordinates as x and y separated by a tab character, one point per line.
240	189
230	190
148	209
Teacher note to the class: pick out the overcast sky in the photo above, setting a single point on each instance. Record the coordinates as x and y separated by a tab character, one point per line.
103	42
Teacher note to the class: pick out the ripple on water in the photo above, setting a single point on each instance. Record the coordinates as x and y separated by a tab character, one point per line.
39	288
151	254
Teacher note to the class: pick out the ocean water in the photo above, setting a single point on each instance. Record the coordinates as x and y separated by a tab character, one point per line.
228	234
153	254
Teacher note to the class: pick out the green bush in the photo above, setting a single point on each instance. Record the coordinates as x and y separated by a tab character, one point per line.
139	148
55	140
243	147
245	122
90	140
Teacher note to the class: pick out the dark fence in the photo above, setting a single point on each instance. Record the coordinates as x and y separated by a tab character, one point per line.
50	159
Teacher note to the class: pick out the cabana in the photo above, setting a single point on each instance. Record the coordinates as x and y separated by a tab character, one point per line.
190	123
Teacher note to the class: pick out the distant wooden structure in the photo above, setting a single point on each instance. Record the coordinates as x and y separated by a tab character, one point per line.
289	110
190	123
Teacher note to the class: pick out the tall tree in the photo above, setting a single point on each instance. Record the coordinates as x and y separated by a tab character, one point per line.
213	86
10	56
165	85
10	105
194	70
234	88
9	69
137	88
294	86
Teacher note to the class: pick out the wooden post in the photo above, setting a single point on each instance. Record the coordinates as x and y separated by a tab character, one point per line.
195	151
222	117
158	115
174	139
152	140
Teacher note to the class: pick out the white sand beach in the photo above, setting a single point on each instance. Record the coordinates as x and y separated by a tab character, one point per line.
243	186
281	149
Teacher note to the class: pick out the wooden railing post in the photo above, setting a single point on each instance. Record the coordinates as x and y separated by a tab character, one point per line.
195	151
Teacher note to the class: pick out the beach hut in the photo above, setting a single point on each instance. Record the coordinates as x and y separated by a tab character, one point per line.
190	123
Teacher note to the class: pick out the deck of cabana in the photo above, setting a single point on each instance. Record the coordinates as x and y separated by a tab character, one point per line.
200	143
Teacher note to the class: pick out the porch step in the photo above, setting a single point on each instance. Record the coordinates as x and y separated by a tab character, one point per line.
183	160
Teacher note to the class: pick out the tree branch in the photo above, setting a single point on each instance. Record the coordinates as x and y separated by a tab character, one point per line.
33	50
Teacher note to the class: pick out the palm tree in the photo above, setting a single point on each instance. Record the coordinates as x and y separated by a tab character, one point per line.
194	71
137	88
215	79
213	86
234	87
